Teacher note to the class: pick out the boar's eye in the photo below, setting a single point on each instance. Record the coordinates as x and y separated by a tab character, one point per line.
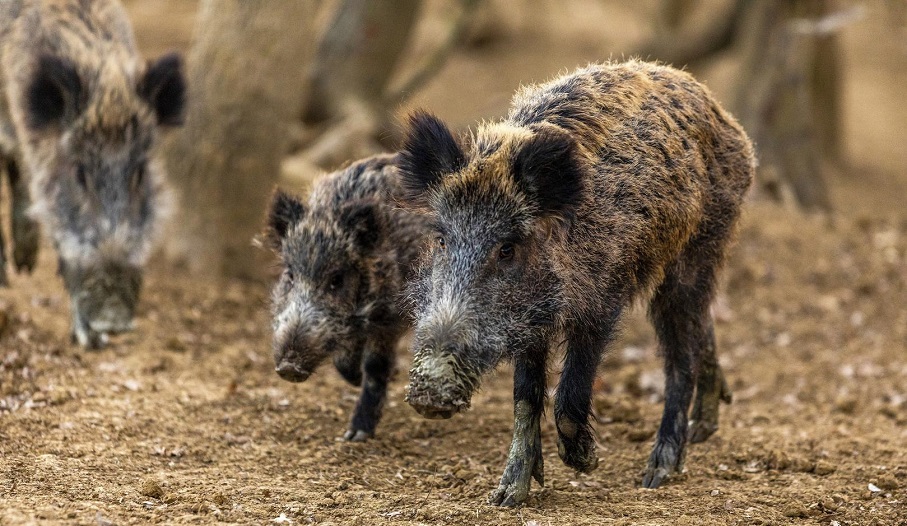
336	281
505	253
441	242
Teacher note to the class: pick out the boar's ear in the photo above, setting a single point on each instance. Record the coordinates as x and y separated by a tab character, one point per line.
548	169
164	88
429	152
363	220
284	212
55	92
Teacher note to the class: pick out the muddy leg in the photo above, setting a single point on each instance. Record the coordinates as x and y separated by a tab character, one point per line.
377	368
573	401
680	315
26	235
524	462
711	388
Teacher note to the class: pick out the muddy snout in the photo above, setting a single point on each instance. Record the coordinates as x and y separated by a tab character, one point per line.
437	389
292	372
296	356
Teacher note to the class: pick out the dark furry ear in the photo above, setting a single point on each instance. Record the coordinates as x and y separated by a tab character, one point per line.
548	170
429	152
55	92
284	212
363	219
164	88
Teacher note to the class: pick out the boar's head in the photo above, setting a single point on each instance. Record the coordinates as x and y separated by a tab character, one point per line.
487	289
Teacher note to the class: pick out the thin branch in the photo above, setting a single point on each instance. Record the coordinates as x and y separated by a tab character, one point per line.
436	60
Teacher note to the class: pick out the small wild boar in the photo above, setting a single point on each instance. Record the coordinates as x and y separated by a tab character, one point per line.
610	184
80	113
345	256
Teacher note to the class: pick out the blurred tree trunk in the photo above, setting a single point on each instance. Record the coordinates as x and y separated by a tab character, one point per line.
246	73
788	97
789	87
350	96
358	54
688	32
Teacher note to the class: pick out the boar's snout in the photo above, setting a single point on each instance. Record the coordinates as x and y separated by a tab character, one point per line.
439	387
112	318
291	372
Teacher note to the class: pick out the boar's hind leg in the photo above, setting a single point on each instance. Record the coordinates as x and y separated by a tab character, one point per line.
680	314
25	230
711	388
524	462
377	367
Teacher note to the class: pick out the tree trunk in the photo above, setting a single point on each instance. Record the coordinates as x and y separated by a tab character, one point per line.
358	54
777	105
246	74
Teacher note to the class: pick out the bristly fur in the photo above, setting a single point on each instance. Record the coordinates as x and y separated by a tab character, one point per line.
80	116
345	255
647	174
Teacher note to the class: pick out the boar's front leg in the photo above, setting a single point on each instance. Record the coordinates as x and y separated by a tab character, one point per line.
573	402
377	366
26	235
524	461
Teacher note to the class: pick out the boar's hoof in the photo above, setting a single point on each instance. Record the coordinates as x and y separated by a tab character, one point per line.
291	372
89	339
578	452
700	430
435	413
357	435
666	459
514	486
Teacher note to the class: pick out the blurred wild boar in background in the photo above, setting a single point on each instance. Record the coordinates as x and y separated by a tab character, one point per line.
80	113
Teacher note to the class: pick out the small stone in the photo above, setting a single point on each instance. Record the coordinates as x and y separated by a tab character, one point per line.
887	482
846	405
824	467
795	511
175	344
640	434
152	488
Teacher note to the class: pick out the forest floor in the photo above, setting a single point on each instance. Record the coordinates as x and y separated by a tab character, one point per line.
184	420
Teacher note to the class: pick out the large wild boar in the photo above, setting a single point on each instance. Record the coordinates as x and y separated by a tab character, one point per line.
345	255
610	184
79	118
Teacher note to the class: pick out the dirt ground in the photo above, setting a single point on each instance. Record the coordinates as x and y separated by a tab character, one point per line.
184	421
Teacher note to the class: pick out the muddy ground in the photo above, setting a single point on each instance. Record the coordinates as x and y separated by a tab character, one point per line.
184	421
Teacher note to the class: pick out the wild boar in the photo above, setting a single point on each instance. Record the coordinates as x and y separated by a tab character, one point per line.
80	114
614	183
